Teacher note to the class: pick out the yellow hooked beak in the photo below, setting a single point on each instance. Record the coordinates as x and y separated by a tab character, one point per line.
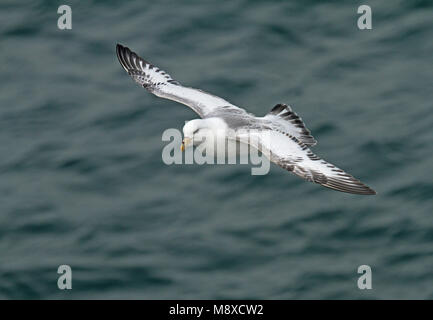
185	143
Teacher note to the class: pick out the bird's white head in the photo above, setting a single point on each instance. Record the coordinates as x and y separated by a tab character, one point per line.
190	129
200	128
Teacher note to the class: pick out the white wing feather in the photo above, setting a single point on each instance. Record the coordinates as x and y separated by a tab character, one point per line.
163	85
291	154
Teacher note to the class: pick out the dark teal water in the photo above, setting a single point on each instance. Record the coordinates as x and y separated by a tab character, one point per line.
82	181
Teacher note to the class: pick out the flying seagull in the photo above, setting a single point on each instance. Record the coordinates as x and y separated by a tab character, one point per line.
290	140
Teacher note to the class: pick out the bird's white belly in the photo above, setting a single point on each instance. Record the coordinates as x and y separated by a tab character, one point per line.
221	146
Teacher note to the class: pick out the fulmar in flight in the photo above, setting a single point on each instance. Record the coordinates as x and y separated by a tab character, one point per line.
288	140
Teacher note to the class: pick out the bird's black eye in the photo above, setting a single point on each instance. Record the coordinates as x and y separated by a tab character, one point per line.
195	131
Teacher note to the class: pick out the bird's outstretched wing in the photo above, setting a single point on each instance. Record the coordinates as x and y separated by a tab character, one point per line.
163	85
291	154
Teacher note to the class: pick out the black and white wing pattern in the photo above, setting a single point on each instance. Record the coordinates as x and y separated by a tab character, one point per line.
163	85
289	122
291	154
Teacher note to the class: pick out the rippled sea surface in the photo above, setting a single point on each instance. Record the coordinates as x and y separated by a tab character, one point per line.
82	181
